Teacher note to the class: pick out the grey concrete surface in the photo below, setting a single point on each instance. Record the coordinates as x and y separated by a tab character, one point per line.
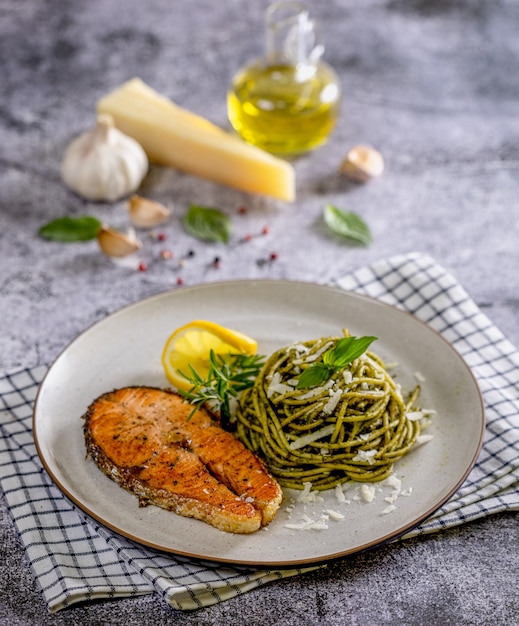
433	84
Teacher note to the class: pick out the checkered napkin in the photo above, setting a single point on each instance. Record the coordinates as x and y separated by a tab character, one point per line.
76	559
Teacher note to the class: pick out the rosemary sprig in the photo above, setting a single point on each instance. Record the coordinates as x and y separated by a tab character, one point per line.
229	375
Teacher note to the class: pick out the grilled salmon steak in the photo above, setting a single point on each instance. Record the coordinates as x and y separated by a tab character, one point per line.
144	439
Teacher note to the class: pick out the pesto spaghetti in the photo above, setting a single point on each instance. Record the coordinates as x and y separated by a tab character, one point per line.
354	426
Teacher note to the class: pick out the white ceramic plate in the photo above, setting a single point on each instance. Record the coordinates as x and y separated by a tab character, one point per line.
125	349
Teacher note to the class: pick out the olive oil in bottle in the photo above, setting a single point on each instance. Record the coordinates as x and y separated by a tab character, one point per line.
287	103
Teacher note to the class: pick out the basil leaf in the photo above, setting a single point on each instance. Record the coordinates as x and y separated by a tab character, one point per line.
347	224
347	350
314	376
337	358
68	229
207	224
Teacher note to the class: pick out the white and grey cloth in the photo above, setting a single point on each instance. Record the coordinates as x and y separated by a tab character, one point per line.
74	558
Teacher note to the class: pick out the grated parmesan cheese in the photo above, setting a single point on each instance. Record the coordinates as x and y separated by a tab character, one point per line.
276	386
396	484
303	441
307	523
335	396
393	481
421	439
367	493
334	515
365	456
307	495
339	493
313	357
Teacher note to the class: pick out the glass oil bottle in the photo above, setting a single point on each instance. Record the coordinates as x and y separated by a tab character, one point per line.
288	102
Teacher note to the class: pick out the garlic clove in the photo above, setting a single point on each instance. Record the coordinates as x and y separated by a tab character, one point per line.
104	164
362	163
146	213
114	243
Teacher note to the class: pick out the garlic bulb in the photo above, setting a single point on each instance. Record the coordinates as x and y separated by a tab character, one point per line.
113	243
146	213
362	163
104	163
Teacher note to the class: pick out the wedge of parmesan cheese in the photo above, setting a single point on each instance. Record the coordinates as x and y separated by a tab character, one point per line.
175	137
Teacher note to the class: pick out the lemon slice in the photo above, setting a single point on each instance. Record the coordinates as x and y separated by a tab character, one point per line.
191	344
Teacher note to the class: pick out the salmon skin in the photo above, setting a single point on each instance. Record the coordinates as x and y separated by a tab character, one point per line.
144	439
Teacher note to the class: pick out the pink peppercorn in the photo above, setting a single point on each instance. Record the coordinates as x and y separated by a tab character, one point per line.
142	267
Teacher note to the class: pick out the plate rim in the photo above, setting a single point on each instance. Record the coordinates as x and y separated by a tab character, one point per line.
84	509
